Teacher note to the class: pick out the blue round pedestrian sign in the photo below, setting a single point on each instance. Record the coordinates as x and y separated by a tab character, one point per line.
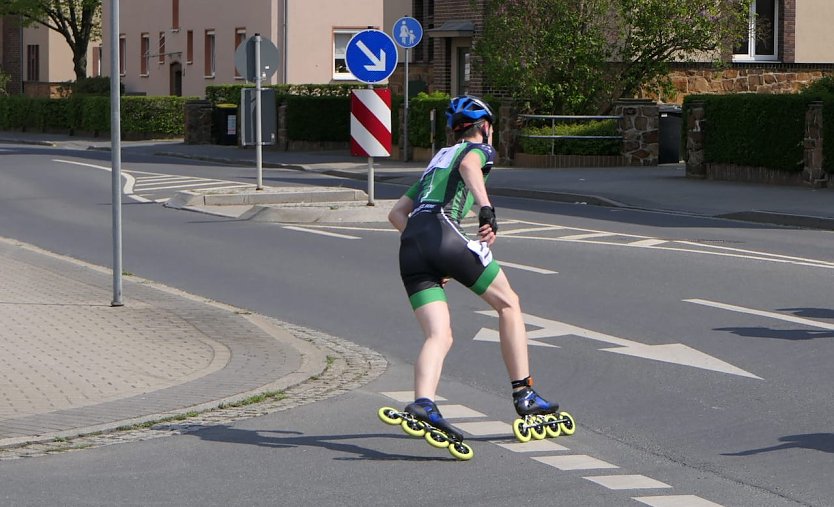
407	32
371	56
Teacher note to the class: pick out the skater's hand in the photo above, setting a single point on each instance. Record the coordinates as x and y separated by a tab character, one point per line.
486	234
444	281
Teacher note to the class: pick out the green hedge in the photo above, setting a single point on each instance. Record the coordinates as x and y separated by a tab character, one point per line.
573	146
419	119
230	94
141	116
754	130
318	118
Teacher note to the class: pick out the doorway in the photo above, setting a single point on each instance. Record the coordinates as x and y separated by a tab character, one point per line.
176	79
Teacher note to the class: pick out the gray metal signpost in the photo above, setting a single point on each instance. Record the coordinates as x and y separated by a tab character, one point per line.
257	59
116	153
407	33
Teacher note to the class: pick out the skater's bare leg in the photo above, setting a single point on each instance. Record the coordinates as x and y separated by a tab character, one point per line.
511	330
436	324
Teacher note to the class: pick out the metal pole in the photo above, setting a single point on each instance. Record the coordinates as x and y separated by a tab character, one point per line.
371	173
258	118
405	112
432	116
116	153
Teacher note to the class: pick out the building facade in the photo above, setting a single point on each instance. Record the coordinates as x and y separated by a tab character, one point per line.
11	36
178	47
790	44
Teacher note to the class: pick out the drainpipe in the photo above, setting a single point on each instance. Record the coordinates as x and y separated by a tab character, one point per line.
286	39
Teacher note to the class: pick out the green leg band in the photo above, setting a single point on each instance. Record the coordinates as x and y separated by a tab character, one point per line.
427	296
485	280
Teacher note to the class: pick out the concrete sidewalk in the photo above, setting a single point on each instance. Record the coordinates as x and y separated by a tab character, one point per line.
71	364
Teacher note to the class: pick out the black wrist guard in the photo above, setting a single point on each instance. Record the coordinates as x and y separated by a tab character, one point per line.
487	216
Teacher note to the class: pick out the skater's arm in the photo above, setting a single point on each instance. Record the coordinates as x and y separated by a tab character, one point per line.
470	171
398	216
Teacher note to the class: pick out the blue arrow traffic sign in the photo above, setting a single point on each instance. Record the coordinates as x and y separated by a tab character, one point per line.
407	32
371	56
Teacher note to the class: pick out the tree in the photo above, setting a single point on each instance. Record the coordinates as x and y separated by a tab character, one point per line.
578	56
78	21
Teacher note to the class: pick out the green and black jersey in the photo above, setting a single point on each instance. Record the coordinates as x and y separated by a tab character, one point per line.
441	187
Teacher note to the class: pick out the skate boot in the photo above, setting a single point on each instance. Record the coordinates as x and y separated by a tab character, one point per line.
539	417
423	419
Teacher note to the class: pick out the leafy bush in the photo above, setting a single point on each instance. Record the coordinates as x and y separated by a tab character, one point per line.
318	118
537	146
419	119
141	116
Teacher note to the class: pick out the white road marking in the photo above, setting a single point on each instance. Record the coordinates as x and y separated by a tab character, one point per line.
453	411
406	396
186	185
532	229
618	482
491	335
675	353
524	267
546	445
675	501
590	235
575	462
647	242
762	313
130	181
322	233
485	428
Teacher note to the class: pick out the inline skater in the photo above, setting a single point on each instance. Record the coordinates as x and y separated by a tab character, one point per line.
434	249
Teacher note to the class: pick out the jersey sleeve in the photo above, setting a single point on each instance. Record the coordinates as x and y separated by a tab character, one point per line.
486	153
413	191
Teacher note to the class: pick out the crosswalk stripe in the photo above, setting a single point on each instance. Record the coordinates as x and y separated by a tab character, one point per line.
485	428
546	445
627	482
575	462
676	501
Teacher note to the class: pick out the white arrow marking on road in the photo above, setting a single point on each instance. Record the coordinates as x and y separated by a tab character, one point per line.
762	313
490	335
676	353
378	64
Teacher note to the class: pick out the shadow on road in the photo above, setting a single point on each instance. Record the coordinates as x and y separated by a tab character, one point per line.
813	441
338	443
778	334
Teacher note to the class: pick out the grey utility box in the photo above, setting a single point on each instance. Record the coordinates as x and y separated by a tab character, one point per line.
269	117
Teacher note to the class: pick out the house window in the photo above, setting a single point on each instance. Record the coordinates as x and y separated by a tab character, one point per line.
33	62
175	14
210	53
96	61
122	54
762	38
189	47
240	38
161	57
145	45
340	42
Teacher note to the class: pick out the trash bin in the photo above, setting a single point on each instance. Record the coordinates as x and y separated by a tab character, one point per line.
224	124
670	134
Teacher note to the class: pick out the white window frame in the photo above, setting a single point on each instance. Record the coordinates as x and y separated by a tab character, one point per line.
751	55
340	55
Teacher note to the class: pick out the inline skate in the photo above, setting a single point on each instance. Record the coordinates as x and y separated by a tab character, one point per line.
539	417
423	419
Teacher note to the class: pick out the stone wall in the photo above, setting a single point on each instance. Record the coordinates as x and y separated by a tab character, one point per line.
198	122
776	78
640	128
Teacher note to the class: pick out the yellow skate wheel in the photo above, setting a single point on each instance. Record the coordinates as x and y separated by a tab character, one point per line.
551	426
521	433
569	426
389	415
538	432
413	428
437	438
461	451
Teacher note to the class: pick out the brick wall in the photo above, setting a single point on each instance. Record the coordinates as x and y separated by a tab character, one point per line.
10	52
787	32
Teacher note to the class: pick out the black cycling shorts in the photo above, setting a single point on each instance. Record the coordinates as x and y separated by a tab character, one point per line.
433	247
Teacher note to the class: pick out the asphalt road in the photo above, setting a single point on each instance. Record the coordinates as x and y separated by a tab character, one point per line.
694	353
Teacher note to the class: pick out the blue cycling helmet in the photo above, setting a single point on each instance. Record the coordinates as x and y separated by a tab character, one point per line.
465	111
